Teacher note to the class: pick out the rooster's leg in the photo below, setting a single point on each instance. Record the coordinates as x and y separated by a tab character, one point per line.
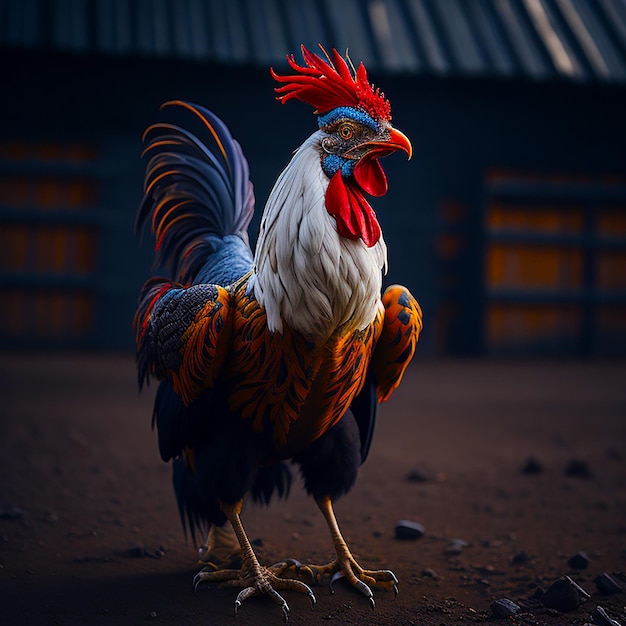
222	549
252	577
345	565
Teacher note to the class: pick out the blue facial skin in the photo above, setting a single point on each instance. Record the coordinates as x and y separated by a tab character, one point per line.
351	113
332	163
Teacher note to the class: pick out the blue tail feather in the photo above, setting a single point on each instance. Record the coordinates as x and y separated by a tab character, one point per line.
198	198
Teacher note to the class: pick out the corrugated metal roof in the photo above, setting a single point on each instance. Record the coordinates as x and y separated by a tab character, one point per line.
580	40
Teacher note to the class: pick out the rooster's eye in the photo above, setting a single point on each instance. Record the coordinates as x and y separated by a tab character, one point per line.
346	132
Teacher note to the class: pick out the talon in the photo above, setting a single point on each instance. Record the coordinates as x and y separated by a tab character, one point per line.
372	603
313	599
287	563
393	576
336	576
396	591
237	605
197	579
364	589
285	609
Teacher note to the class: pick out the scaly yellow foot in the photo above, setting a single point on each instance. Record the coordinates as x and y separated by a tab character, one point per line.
345	565
253	578
361	579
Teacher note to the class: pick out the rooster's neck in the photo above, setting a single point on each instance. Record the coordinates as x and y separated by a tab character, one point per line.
306	276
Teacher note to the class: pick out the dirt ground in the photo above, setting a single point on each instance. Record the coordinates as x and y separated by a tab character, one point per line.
89	530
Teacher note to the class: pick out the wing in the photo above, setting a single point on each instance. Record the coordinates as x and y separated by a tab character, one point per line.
182	335
396	344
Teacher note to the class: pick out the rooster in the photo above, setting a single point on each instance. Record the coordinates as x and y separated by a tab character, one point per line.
281	355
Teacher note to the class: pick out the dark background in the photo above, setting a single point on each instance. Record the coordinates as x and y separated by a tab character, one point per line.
508	224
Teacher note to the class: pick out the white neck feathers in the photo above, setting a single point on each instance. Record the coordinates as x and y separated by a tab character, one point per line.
306	276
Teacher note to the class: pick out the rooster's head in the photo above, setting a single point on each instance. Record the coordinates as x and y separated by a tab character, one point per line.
355	132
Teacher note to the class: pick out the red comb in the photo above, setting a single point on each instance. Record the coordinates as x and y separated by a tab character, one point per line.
328	84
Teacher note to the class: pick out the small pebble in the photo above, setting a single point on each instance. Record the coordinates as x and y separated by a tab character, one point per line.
140	552
604	618
615	454
607	585
520	558
455	547
407	530
11	512
136	552
504	608
429	573
418	476
578	469
532	466
579	561
562	595
152	614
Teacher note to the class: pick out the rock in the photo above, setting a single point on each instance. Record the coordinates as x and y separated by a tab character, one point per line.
418	476
455	547
615	454
563	595
429	573
520	558
579	561
407	530
11	512
504	608
602	617
532	466
136	552
140	551
607	585
578	469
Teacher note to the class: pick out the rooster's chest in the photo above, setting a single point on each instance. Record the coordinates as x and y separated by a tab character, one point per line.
288	386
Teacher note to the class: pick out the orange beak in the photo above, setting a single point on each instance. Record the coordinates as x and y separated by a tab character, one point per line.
378	149
399	141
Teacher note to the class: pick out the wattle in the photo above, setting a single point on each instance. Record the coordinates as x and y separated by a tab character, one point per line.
369	174
345	202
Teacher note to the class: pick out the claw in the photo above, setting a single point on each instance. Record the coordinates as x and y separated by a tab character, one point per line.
365	590
197	579
392	575
313	599
244	594
286	563
336	576
372	603
395	590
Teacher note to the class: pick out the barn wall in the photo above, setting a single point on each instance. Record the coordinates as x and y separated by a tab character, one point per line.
461	129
